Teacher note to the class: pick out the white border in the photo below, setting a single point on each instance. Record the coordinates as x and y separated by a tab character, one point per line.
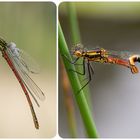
57	2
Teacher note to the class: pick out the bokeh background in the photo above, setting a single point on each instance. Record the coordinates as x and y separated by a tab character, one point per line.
115	91
32	26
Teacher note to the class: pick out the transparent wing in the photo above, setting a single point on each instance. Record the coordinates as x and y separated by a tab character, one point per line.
29	83
27	62
122	54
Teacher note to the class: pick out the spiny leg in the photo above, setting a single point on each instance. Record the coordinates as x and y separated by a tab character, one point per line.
89	72
72	62
91	69
92	72
84	69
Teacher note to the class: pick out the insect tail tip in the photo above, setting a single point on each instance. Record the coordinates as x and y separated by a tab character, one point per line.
134	69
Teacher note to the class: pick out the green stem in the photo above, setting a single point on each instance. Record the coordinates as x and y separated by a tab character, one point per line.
74	27
72	121
68	100
76	38
74	80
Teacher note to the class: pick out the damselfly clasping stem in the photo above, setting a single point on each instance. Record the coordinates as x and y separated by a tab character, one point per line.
102	55
107	56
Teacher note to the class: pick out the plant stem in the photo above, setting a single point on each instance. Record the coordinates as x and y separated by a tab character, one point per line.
76	38
68	100
74	80
74	27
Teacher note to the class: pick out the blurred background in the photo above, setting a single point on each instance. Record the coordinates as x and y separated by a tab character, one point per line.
32	26
115	91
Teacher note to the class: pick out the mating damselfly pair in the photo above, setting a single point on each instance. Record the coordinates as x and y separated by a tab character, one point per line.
102	55
21	68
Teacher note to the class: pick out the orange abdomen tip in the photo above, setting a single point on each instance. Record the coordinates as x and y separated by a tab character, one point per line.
134	69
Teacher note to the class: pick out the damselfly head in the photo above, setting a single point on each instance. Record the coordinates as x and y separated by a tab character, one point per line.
77	50
11	45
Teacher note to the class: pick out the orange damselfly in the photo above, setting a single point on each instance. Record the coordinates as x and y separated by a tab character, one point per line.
101	55
16	61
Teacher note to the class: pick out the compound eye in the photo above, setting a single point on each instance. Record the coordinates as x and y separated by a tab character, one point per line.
78	53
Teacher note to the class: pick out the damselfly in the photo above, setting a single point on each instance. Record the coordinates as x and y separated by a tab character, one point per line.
103	56
16	60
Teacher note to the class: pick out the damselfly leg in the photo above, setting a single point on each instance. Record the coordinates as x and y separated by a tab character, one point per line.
74	63
89	69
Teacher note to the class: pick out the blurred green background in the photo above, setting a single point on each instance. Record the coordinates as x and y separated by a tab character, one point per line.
114	89
32	26
113	10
